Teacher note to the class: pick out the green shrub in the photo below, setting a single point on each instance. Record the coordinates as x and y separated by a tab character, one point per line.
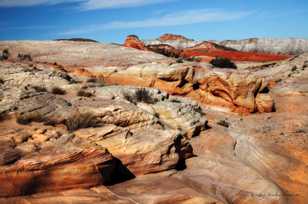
140	95
223	123
58	91
24	57
26	118
83	93
39	88
222	62
5	54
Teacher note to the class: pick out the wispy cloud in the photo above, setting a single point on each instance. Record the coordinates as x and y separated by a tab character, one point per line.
107	4
171	19
83	4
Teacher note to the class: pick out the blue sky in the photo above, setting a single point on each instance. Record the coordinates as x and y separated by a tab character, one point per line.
113	20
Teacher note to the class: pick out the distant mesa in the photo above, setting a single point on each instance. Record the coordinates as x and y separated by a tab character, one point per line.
179	46
133	41
77	40
172	37
291	46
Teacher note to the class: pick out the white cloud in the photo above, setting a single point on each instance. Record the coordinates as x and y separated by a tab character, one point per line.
106	4
83	4
172	19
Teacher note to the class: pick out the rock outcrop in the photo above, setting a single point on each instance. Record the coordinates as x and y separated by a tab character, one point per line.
172	37
212	50
214	87
165	49
208	50
87	123
133	41
292	46
51	138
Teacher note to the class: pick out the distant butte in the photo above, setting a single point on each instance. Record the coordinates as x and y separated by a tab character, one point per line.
205	51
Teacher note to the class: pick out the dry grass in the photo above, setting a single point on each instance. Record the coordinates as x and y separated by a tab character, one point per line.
83	93
24	57
92	80
140	95
5	54
58	91
82	120
39	88
26	118
223	123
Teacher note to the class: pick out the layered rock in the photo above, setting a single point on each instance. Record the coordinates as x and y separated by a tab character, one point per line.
55	142
80	54
64	134
132	41
165	49
99	195
218	172
176	41
210	49
234	50
232	90
292	46
172	37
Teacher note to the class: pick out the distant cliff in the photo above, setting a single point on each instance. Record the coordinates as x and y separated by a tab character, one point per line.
269	45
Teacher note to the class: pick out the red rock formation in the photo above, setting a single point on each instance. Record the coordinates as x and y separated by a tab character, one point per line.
164	49
255	158
171	37
60	171
205	51
209	49
132	41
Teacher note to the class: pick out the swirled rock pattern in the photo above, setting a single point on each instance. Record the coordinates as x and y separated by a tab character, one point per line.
88	123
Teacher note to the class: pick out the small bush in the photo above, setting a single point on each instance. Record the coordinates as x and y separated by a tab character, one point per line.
5	54
26	118
95	82
82	120
140	95
39	89
24	57
179	60
83	93
1	81
3	115
194	59
222	62
92	80
58	91
223	123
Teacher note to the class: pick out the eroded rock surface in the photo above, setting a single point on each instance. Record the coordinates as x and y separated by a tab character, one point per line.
231	89
269	45
72	131
253	50
57	140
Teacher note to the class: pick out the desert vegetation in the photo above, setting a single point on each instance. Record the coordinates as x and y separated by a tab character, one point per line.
222	62
58	91
140	95
24	57
5	54
82	120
